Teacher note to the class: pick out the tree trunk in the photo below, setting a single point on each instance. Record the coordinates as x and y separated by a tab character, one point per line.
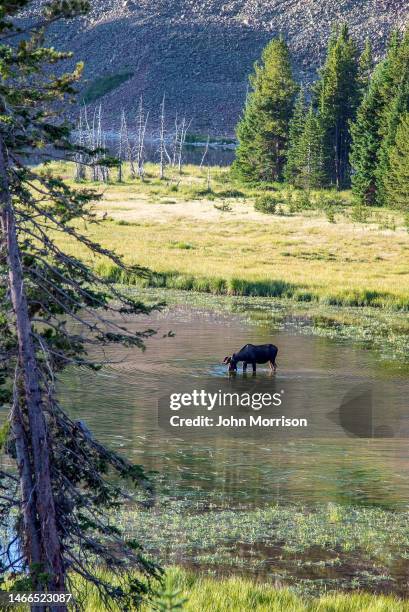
162	143
337	158
31	542
37	438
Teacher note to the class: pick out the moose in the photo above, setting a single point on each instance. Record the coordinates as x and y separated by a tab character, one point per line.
251	353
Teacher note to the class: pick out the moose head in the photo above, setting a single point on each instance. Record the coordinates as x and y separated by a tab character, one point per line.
231	362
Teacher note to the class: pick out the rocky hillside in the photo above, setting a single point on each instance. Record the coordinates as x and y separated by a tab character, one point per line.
199	52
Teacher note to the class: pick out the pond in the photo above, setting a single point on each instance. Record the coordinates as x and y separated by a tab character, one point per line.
217	154
119	404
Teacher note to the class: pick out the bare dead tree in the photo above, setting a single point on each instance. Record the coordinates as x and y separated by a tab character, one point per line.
104	166
94	139
142	149
120	152
94	144
130	150
184	127
99	139
100	146
80	172
205	152
162	146
91	142
142	122
175	141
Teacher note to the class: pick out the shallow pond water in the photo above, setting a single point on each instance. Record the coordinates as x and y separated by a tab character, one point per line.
119	404
217	154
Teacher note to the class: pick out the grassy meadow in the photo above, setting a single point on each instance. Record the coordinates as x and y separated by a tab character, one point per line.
212	239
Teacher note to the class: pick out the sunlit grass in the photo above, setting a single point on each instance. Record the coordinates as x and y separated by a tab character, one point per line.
194	592
173	227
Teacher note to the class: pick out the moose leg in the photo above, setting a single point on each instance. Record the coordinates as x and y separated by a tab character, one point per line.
273	366
244	366
254	367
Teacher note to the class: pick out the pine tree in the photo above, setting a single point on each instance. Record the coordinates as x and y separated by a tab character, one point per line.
396	178
296	128
365	68
374	131
366	140
395	95
57	501
310	170
336	99
263	129
392	115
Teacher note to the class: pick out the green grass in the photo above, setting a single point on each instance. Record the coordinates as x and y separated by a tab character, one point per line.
241	595
234	286
193	592
103	85
201	593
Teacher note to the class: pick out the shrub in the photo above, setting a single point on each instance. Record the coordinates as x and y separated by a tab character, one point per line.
266	204
330	204
333	199
299	201
330	214
360	213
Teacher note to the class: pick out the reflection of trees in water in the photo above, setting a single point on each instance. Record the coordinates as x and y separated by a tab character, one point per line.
120	406
309	473
366	486
236	471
